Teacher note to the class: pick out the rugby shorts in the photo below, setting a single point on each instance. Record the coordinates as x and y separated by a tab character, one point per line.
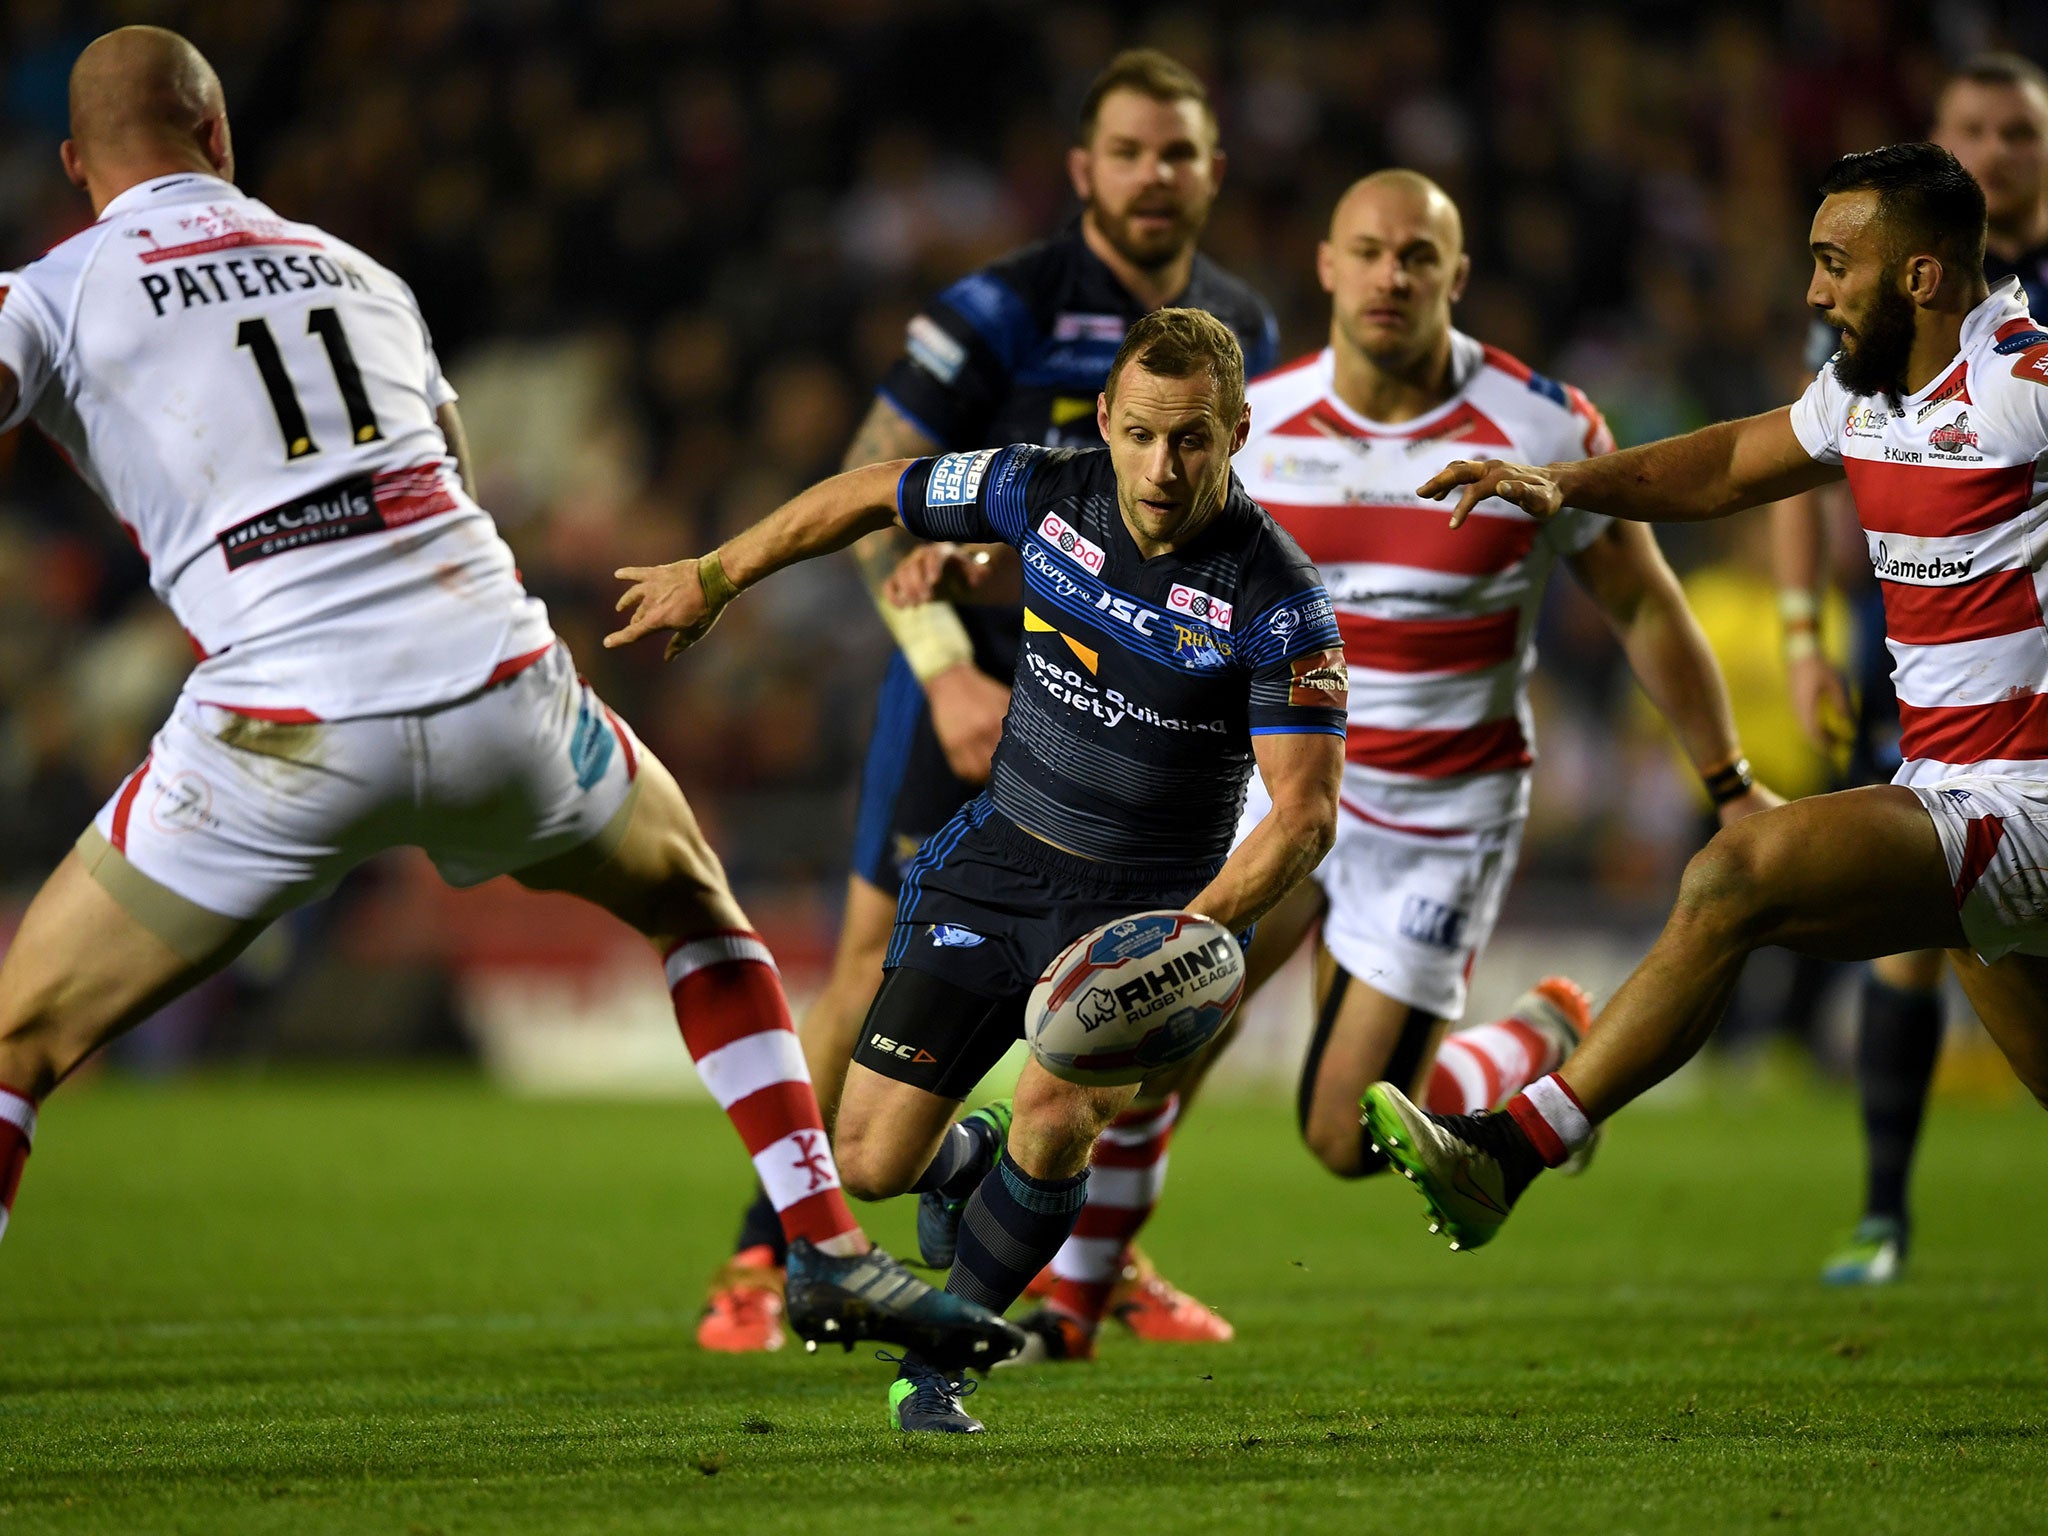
249	818
1409	911
1994	833
985	908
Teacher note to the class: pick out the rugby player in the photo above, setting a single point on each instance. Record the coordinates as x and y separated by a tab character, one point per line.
1439	635
1951	854
261	405
1173	636
1016	352
1993	116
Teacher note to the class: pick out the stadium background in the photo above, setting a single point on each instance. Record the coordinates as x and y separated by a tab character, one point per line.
667	246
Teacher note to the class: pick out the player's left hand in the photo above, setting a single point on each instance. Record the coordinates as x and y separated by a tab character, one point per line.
1761	797
1530	488
663	597
945	573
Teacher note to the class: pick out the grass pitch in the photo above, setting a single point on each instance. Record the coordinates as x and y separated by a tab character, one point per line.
412	1306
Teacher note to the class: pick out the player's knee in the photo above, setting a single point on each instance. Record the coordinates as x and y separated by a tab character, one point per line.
1340	1145
32	1058
871	1168
1728	886
1054	1132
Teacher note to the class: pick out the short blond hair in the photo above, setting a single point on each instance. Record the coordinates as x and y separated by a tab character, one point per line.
1176	343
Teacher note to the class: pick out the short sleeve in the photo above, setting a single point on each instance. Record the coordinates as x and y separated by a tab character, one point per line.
1817	418
2025	400
30	343
1298	679
1574	529
974	497
439	391
960	355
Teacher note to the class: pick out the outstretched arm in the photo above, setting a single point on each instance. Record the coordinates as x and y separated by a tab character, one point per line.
688	596
1303	773
1705	474
1626	575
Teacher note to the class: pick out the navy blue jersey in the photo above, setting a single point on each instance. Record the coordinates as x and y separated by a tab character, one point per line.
1139	683
1017	353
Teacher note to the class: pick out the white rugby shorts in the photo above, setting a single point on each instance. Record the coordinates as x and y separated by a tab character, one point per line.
1409	912
249	818
1994	832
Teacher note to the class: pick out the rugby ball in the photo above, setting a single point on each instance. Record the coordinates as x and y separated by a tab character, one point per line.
1134	995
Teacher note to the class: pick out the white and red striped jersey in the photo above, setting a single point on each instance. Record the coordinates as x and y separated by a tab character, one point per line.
254	400
1949	487
1438	625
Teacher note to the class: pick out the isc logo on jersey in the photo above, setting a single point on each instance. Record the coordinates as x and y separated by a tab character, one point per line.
1069	543
956	478
1199	605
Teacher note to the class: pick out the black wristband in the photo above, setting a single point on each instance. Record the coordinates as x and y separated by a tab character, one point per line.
1729	783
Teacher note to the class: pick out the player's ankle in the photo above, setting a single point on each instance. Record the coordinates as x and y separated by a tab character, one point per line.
1547	1116
846	1245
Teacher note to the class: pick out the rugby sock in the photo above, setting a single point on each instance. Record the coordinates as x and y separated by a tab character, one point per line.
1477	1068
1012	1226
762	1228
17	1132
735	1021
1895	1055
965	1154
1126	1172
1552	1119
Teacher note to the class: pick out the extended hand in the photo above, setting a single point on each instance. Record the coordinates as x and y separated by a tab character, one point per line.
1821	700
663	597
1530	488
942	573
967	716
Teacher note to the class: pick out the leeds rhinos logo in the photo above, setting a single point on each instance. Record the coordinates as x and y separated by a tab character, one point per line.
1071	544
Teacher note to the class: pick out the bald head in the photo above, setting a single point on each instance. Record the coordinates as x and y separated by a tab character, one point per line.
144	103
1402	197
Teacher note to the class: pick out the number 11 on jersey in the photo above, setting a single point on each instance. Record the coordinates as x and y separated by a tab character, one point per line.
291	416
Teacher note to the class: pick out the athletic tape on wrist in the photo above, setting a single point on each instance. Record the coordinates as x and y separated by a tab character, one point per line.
1796	605
931	636
717	587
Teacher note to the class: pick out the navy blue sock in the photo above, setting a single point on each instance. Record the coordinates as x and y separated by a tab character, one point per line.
1895	1054
762	1226
1010	1230
964	1156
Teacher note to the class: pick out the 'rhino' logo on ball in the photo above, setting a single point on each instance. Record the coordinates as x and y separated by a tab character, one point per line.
1095	1009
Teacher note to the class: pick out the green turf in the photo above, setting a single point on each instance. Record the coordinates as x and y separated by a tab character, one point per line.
412	1306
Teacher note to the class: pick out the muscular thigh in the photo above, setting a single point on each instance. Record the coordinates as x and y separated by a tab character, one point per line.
2011	998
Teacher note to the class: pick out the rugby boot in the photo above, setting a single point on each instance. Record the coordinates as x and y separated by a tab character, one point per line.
1052	1336
938	1214
1875	1255
1470	1169
743	1312
1559	1009
926	1400
871	1296
1160	1312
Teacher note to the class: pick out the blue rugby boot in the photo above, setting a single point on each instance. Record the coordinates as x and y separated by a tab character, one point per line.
871	1296
925	1400
938	1214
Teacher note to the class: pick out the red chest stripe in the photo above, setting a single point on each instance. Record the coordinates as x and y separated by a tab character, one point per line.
1936	502
1494	747
1429	645
1420	537
2002	603
2015	729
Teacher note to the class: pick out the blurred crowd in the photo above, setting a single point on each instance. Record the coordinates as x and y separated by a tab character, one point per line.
668	246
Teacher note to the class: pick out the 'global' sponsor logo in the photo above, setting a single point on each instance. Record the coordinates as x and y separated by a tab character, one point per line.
1089	556
1199	605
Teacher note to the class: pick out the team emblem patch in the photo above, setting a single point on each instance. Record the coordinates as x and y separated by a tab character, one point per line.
1953	437
956	479
2032	365
1088	556
953	936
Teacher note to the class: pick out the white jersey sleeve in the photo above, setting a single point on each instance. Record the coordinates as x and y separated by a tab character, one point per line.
1817	417
1574	529
30	343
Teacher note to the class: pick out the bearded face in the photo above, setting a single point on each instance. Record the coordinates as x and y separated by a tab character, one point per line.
1877	343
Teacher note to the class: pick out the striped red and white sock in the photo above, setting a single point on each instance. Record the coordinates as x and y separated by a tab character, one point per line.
1478	1067
1126	1172
17	1134
736	1023
1553	1119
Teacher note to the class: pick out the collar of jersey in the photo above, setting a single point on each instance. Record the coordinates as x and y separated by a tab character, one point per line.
183	187
1467	356
2006	301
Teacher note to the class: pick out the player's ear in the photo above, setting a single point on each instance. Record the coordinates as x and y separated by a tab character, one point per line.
1326	265
1102	414
1461	276
1244	429
1923	276
74	163
1080	171
1219	162
218	147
